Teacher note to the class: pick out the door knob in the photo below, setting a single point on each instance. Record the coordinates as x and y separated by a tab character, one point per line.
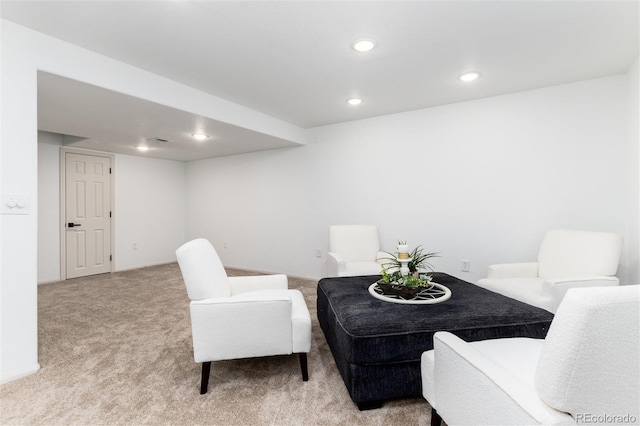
71	224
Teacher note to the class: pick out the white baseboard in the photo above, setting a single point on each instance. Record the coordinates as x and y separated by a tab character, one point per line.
133	268
25	371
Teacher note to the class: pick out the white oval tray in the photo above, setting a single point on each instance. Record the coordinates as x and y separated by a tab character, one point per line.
436	294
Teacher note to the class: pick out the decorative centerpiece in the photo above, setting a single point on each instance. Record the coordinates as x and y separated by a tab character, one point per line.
401	273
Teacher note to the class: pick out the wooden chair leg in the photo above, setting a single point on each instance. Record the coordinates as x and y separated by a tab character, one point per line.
204	381
436	420
303	366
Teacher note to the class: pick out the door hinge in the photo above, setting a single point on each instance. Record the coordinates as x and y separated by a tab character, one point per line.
110	258
109	170
109	214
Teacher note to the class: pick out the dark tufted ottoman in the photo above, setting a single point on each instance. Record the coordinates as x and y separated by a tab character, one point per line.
377	344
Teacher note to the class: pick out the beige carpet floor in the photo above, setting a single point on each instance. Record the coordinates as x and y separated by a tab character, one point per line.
115	349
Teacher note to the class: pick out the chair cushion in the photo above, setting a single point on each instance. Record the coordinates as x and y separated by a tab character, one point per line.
202	270
354	243
527	290
518	355
589	362
566	253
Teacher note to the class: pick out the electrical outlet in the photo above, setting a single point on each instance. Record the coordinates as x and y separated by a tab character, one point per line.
225	245
134	246
465	265
318	252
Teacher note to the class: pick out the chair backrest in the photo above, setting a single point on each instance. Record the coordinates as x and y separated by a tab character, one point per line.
567	253
589	361
202	270
354	242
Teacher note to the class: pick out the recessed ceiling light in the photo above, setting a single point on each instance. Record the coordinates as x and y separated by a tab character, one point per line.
200	136
363	45
354	101
142	148
469	76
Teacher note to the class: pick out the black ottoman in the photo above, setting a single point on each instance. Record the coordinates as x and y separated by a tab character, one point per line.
377	344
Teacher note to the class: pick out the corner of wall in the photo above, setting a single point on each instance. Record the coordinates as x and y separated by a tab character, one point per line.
633	77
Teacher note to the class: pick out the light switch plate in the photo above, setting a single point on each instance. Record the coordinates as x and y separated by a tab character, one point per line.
16	204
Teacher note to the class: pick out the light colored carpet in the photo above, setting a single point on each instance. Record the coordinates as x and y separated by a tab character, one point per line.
115	349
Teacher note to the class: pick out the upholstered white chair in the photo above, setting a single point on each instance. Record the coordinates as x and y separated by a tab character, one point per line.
354	250
240	317
566	259
586	367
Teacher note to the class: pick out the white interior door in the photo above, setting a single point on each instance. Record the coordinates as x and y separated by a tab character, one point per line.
88	214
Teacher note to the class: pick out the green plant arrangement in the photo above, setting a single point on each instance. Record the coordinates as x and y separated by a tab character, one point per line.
407	280
418	259
406	286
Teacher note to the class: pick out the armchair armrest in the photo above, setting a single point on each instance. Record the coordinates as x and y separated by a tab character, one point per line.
513	270
257	283
250	324
558	287
335	264
472	389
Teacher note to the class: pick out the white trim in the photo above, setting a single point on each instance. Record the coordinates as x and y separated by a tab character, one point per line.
27	371
151	265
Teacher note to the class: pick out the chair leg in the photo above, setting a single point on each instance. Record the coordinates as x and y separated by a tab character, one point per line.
436	420
204	381
303	366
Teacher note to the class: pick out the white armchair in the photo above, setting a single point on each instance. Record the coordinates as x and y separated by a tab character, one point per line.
354	250
566	259
240	317
587	367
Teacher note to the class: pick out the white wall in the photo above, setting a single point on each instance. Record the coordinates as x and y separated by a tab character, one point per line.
49	206
564	167
150	209
18	233
24	53
480	180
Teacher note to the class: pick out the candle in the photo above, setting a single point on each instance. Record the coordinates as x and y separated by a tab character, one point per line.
403	251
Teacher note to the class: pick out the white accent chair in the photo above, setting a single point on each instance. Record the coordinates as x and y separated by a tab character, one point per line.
240	317
566	259
354	250
587	366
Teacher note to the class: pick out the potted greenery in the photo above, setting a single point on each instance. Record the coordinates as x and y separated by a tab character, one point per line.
393	282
